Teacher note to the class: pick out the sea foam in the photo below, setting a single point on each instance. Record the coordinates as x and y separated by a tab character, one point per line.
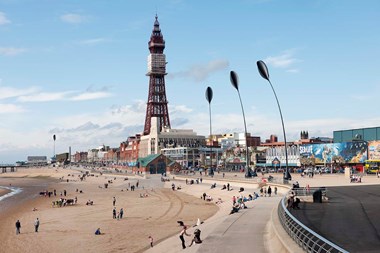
14	191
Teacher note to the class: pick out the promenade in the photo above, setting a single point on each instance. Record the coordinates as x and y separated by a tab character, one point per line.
250	229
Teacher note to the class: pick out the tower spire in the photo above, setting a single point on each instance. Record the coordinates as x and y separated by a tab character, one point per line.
157	105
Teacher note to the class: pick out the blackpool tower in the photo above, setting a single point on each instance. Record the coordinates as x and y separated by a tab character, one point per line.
157	105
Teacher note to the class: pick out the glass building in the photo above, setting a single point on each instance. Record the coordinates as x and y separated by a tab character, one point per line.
365	134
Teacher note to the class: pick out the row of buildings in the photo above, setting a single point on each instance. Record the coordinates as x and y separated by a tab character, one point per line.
228	151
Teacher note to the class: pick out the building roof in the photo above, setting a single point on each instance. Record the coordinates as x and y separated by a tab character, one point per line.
144	161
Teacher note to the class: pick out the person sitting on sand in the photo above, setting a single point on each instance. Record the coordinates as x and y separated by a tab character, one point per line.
224	187
208	198
97	232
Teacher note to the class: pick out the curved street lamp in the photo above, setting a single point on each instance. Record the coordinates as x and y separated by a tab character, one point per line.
235	82
209	95
263	70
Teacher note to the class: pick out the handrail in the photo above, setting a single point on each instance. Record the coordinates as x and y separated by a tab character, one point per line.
306	238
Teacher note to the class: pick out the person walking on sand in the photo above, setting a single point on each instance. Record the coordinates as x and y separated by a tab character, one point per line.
18	227
114	201
114	213
36	225
151	241
121	213
181	234
275	190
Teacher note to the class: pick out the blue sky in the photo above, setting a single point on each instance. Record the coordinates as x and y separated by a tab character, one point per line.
77	68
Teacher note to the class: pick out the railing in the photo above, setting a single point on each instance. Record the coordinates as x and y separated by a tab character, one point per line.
306	238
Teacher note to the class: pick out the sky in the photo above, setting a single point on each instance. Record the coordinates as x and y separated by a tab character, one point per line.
77	69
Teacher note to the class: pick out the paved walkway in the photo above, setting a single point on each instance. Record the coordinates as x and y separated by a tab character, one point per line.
239	232
244	231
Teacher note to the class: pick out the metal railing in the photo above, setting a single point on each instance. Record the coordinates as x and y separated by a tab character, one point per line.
306	238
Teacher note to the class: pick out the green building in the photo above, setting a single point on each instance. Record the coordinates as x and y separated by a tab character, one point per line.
364	134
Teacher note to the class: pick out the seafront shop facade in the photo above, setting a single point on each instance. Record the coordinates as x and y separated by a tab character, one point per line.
334	156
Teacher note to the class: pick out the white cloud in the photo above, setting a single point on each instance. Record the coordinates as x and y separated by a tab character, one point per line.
10	108
292	70
9	92
178	109
91	96
202	72
285	60
11	51
34	96
44	96
3	19
138	107
72	18
94	41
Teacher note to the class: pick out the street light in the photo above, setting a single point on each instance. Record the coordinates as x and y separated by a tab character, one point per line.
54	146
235	82
263	70
209	94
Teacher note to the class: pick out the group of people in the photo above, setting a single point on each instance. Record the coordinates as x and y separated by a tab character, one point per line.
18	226
196	239
226	187
64	202
293	202
355	179
117	215
206	197
267	192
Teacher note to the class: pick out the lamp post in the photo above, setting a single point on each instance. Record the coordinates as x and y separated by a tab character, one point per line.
209	94
54	146
263	70
235	82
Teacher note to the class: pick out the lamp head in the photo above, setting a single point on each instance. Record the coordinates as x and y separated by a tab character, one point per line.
209	94
234	80
263	70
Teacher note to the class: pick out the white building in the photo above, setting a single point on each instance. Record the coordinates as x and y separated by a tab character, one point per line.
168	138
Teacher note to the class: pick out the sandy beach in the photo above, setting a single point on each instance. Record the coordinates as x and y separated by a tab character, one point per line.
71	228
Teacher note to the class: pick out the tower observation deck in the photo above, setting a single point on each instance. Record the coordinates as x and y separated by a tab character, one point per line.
157	105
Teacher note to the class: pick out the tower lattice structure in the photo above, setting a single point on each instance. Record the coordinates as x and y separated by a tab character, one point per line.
157	105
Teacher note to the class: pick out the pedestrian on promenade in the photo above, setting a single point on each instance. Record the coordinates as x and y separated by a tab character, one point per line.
18	227
269	191
275	190
114	201
181	234
223	174
36	225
